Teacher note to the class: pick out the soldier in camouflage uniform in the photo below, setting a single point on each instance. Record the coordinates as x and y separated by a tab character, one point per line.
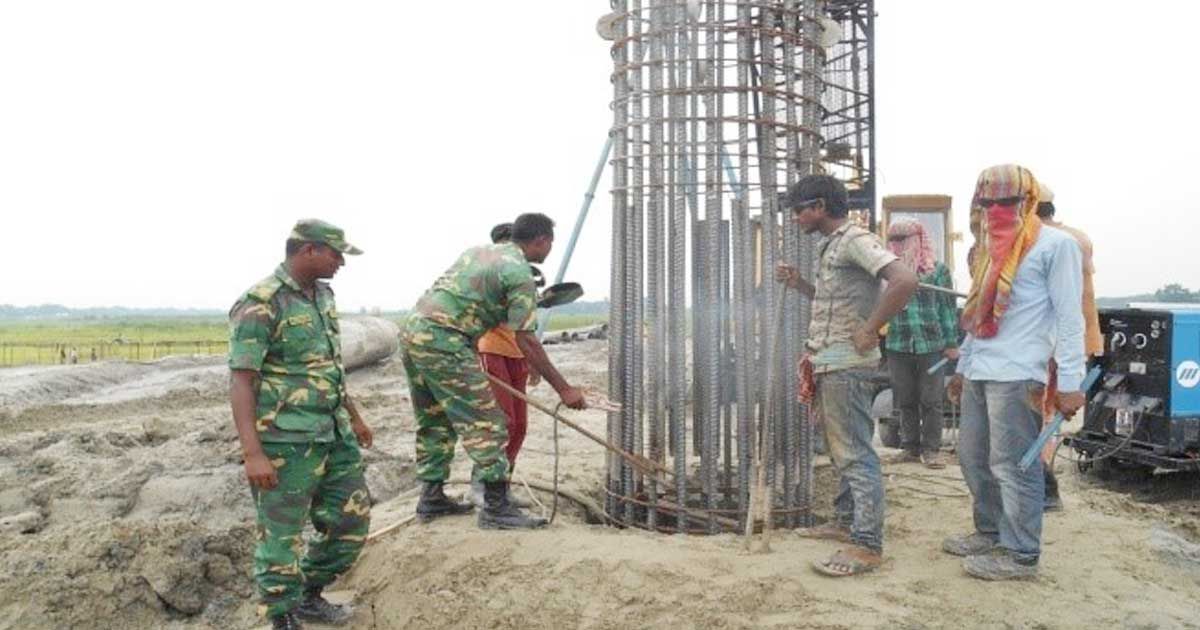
486	287
299	431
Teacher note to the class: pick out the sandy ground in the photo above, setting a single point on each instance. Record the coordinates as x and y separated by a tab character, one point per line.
122	505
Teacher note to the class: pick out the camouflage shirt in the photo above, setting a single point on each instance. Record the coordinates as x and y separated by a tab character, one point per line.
293	344
847	291
486	287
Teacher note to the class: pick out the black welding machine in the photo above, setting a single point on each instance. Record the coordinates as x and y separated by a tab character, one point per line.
1144	412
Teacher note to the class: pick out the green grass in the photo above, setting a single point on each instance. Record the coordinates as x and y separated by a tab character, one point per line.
45	341
141	339
568	321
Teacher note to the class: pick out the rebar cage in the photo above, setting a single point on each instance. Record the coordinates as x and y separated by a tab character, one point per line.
718	106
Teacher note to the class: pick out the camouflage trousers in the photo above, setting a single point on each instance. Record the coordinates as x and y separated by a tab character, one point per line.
323	481
453	398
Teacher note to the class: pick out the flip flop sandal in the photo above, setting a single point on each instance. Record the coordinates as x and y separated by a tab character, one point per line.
844	564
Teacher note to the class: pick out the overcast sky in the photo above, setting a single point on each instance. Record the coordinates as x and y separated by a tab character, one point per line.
156	153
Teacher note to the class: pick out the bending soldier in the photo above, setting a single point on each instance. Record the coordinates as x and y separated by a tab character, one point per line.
487	286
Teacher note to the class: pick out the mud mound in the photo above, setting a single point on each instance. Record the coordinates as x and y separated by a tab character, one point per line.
365	340
136	514
127	575
106	382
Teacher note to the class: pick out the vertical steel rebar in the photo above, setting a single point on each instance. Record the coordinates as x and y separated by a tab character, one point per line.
768	31
790	429
637	176
676	276
655	269
616	358
693	293
726	377
810	163
745	344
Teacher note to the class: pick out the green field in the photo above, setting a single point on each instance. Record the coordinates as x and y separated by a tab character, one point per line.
567	321
53	341
141	339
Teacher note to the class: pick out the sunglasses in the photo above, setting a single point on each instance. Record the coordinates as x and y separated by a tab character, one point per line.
899	237
1002	201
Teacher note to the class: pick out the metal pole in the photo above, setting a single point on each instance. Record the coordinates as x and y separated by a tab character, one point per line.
579	220
583	209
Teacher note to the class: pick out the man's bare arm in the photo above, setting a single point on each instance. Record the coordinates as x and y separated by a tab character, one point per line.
901	283
791	276
540	363
362	432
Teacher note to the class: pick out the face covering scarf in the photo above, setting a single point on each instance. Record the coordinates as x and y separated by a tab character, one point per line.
1008	230
908	240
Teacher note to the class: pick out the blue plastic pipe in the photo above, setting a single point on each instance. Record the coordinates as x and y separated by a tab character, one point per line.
1030	455
937	366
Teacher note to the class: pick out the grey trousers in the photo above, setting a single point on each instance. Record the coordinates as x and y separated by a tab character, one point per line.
918	396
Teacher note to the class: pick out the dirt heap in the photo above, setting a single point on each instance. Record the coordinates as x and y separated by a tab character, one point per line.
122	498
128	509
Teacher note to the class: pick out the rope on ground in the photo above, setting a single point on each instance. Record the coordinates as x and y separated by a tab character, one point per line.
589	506
955	490
529	492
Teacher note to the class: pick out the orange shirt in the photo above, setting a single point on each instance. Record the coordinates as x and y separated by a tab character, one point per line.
1093	341
500	340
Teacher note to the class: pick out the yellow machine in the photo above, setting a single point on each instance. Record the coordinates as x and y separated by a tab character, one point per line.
933	212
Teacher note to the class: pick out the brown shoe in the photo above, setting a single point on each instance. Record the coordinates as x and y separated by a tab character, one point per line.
933	460
850	561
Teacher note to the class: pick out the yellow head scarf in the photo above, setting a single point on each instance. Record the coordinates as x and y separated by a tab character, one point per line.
1007	233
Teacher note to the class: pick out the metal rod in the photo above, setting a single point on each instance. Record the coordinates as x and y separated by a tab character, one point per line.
616	321
656	279
762	502
636	441
937	366
677	228
745	343
637	461
580	218
1050	429
932	287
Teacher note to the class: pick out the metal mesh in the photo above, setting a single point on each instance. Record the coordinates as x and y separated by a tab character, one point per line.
718	106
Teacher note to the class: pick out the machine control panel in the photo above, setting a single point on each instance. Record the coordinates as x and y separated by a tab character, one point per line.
1159	353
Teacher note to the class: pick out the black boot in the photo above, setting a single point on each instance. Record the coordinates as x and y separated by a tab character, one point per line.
317	608
434	503
498	513
1053	500
286	621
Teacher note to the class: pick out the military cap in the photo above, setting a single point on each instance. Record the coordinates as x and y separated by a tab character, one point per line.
317	231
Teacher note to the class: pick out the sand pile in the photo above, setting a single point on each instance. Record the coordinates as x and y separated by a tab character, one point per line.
131	512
